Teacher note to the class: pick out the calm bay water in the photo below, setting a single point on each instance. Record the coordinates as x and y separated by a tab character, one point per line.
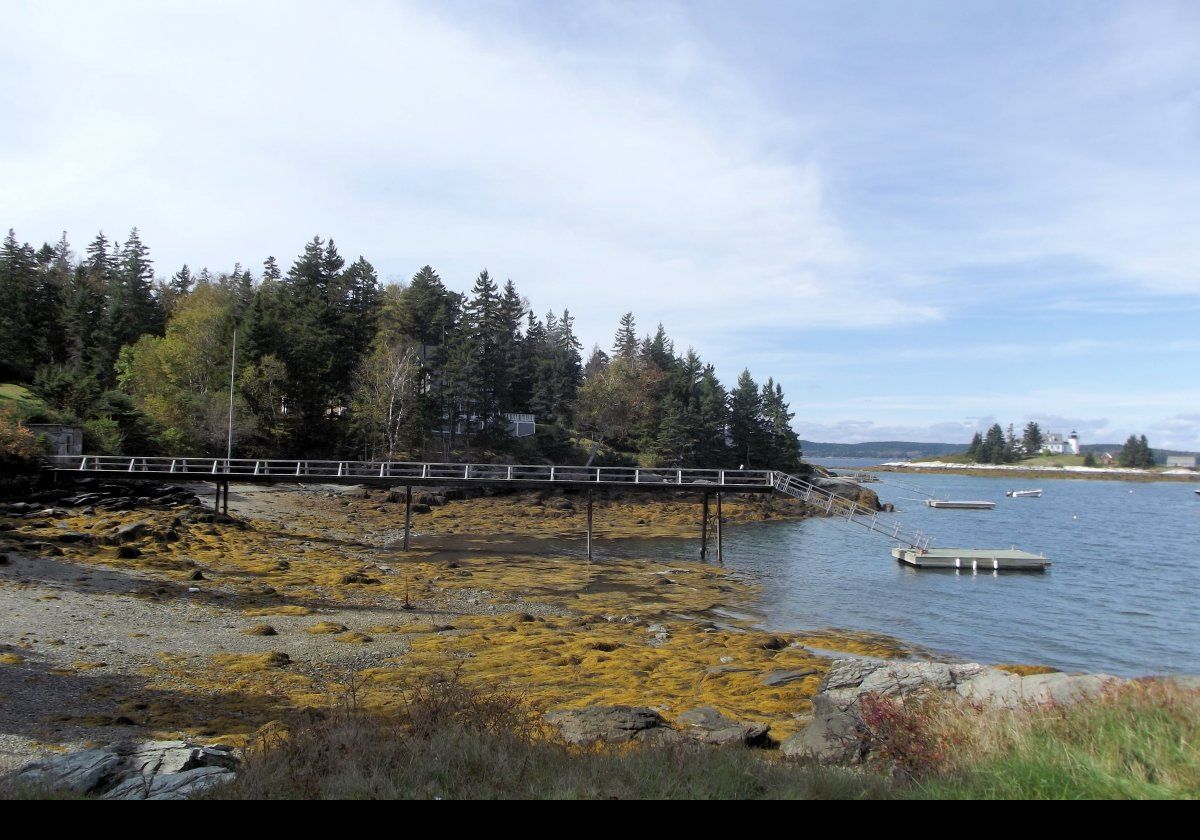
1123	595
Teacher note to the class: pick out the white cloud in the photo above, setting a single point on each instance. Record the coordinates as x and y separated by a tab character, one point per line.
232	132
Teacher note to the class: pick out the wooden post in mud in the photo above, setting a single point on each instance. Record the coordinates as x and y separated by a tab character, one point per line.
225	499
217	498
589	527
704	530
407	513
720	555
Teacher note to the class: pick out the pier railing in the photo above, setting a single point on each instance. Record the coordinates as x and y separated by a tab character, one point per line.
404	472
526	475
811	494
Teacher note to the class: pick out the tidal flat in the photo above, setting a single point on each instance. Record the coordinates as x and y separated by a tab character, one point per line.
176	623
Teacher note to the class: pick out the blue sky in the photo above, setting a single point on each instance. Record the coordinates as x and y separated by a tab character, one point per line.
920	217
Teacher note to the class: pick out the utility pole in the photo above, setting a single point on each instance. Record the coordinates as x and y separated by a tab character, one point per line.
232	369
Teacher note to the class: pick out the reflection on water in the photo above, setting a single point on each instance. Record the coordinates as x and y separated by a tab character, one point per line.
1123	595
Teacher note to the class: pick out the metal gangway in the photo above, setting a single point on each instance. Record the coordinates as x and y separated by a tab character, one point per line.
811	494
273	470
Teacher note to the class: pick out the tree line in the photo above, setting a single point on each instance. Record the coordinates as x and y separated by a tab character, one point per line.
330	362
999	447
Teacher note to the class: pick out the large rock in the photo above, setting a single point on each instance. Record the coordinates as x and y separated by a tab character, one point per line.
610	725
776	679
171	785
708	726
131	531
1000	689
835	733
80	773
149	770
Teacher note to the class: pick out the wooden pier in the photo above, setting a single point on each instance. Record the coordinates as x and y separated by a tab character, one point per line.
971	559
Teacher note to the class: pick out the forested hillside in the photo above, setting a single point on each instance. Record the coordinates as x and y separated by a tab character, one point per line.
332	363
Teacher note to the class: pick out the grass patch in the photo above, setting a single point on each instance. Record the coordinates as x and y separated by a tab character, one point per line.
451	743
20	398
327	627
1141	741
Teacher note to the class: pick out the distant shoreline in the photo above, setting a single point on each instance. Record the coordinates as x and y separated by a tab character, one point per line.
1017	471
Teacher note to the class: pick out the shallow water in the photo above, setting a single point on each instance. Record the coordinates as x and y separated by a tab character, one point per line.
1123	595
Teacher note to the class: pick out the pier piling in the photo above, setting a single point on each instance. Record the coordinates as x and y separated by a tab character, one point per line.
407	514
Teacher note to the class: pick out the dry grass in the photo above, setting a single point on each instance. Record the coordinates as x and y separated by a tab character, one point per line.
445	741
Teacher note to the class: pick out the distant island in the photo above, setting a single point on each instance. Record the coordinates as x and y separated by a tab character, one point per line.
888	449
908	450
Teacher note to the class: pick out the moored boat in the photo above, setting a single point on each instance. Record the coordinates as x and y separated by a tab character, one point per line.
960	504
1024	494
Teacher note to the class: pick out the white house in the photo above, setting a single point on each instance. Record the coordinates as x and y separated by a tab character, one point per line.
1055	444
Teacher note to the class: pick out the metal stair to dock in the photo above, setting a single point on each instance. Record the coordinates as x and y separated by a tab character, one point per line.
811	494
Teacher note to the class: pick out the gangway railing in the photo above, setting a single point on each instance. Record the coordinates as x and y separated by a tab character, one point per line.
406	472
811	494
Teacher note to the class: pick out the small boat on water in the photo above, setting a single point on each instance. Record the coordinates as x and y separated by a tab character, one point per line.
1024	494
960	504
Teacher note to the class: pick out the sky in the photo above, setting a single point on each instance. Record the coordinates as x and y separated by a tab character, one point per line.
920	218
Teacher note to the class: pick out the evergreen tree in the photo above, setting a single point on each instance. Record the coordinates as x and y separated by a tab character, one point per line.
1032	438
994	450
625	344
673	446
746	422
482	369
660	351
1145	456
18	292
782	444
712	421
973	451
596	362
271	270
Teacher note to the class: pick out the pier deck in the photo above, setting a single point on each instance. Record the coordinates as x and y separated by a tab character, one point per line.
972	559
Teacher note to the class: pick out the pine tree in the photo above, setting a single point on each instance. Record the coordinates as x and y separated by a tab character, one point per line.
746	422
712	421
673	445
660	351
271	270
782	442
483	370
993	450
1145	455
625	344
364	299
973	451
596	362
18	292
1032	438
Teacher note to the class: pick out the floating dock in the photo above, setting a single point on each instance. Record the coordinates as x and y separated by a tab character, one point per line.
971	559
959	504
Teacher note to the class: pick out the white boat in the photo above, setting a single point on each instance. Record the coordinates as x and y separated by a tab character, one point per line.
1024	494
960	504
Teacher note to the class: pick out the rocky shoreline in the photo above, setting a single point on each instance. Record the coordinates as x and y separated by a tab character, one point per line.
146	619
1019	471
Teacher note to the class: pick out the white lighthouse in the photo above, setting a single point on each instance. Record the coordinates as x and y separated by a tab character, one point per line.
1073	442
